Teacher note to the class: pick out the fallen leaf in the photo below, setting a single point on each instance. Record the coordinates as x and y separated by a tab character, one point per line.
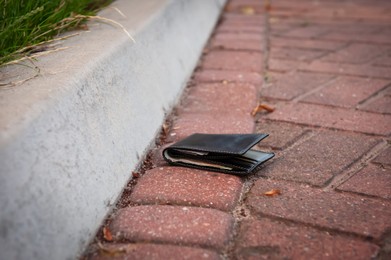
247	10
165	128
135	175
107	234
111	251
272	193
267	107
267	6
261	107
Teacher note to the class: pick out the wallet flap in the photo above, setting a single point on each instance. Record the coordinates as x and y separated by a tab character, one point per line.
230	144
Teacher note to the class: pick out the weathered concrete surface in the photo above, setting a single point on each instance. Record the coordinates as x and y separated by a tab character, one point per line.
71	136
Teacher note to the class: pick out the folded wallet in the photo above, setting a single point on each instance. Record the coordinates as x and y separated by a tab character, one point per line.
228	153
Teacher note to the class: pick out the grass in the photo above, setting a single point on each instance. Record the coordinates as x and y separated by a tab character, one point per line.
24	24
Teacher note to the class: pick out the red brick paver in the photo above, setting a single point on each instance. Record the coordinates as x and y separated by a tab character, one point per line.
325	68
384	157
221	76
372	180
332	210
229	60
290	85
175	224
320	157
351	91
152	252
267	239
182	186
284	134
332	117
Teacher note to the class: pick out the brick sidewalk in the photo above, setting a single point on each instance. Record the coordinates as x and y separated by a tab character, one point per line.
326	69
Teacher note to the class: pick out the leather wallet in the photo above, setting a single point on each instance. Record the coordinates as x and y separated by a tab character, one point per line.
228	153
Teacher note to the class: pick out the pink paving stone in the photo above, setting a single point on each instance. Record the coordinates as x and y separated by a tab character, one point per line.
372	180
305	43
233	60
268	239
281	135
295	53
333	210
238	4
290	85
220	98
228	76
387	91
235	18
279	29
246	45
381	104
354	27
279	25
239	36
347	69
173	224
240	28
356	53
212	123
281	65
311	31
189	187
383	61
384	157
151	252
320	157
299	6
362	12
347	91
287	12
379	38
242	9
333	117
344	14
238	41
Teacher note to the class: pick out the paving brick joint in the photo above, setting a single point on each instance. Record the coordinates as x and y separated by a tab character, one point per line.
325	69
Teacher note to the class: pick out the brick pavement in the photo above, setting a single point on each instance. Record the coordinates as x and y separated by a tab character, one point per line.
325	66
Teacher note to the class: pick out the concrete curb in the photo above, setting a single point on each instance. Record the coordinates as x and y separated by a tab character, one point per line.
71	136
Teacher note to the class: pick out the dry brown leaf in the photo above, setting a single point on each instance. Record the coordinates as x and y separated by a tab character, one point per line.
267	108
107	234
272	193
261	107
113	252
267	6
165	128
135	175
247	10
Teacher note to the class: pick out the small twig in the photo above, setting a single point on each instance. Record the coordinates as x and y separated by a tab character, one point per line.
48	51
46	42
14	83
33	56
109	21
119	11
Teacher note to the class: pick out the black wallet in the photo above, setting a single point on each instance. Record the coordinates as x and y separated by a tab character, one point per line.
228	153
